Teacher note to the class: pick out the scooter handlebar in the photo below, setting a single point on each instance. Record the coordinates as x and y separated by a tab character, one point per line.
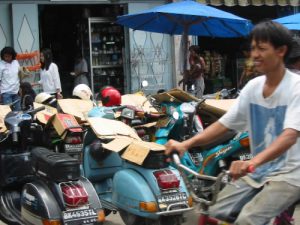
34	111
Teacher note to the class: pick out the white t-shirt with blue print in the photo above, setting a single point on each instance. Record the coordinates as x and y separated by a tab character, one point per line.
265	119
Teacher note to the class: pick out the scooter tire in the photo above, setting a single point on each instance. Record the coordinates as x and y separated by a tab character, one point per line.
5	215
171	220
107	212
131	219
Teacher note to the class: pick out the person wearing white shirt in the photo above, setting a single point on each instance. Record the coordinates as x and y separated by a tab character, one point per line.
9	78
50	80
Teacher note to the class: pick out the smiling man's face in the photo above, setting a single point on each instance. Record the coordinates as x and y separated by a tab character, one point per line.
266	57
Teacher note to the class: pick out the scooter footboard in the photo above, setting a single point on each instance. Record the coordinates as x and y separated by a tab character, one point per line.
130	189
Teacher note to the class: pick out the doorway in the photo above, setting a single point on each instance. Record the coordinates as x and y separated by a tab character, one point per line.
64	29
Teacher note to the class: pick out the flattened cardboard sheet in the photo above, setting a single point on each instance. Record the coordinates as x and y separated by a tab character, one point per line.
44	115
106	128
136	154
175	95
216	107
147	125
76	107
4	109
118	144
138	101
223	104
137	151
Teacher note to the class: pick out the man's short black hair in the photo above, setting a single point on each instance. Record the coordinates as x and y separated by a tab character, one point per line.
274	33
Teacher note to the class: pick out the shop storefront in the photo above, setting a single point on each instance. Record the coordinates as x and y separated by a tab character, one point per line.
120	57
116	56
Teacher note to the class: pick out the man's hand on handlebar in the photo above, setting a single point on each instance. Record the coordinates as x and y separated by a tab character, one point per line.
240	168
173	145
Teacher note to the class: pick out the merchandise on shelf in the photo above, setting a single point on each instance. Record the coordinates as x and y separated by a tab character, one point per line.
106	46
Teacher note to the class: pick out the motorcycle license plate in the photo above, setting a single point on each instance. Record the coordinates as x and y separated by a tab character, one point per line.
245	156
78	217
73	147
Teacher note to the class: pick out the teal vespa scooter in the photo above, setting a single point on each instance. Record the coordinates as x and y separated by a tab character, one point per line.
148	193
182	123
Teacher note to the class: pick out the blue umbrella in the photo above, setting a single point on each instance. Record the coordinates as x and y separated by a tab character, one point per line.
291	22
187	18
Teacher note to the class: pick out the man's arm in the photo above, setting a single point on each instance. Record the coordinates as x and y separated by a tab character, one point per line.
279	146
211	133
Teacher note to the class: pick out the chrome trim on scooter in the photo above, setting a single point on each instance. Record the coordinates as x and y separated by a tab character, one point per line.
175	211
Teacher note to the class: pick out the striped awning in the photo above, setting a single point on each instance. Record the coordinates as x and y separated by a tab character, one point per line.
251	2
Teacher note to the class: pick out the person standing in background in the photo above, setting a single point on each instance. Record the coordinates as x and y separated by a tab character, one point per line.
80	70
196	72
9	78
27	95
249	71
50	80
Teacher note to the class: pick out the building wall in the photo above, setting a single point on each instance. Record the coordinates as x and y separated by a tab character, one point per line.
25	27
151	55
5	26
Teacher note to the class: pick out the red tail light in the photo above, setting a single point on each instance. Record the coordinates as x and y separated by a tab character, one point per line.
74	195
73	140
141	132
166	179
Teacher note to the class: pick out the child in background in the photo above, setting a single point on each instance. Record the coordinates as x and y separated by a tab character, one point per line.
27	95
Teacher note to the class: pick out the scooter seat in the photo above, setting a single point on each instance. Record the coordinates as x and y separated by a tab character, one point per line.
58	167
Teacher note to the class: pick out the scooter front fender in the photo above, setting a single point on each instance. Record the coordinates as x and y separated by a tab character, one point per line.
129	189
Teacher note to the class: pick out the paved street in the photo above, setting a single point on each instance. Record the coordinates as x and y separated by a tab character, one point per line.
191	218
116	220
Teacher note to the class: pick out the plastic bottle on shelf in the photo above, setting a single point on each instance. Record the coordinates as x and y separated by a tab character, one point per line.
104	48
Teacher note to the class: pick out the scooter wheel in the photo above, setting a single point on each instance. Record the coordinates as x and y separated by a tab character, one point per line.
107	212
131	219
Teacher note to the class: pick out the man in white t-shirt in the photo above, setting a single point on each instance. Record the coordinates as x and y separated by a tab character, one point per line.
269	108
80	70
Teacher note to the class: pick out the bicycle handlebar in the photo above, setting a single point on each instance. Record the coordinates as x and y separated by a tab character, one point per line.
218	180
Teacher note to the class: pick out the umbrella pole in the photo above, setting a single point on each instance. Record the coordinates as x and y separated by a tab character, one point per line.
185	53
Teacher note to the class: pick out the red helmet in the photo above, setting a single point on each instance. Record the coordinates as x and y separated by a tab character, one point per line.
110	96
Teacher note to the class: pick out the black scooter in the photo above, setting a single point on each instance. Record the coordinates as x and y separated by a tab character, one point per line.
39	186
